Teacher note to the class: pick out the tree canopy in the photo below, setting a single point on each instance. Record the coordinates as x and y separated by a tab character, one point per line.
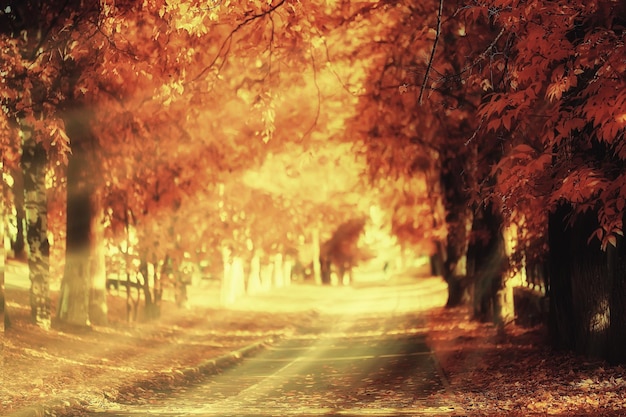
242	122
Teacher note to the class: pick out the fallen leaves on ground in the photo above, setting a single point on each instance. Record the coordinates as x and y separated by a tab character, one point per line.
516	373
513	373
74	371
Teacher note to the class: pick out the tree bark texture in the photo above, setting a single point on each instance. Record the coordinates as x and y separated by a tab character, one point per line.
76	283
456	203
587	289
82	300
34	163
18	245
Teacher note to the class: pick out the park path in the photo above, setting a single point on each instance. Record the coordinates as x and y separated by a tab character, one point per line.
365	355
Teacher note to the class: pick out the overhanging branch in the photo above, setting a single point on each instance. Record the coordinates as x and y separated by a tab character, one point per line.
432	53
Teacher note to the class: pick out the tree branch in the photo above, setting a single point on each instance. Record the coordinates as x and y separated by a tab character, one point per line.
432	53
227	42
319	98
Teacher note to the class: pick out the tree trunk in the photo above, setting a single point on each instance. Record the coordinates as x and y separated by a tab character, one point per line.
561	314
617	330
437	261
315	242
227	295
152	309
98	310
454	268
157	287
458	220
325	263
18	244
34	163
587	292
254	278
487	255
3	314
74	306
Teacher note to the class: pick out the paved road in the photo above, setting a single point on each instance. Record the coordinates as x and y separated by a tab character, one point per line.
365	361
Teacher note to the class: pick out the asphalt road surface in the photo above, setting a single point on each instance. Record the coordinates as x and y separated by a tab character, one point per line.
366	357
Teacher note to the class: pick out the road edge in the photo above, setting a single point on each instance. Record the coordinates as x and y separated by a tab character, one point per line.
71	406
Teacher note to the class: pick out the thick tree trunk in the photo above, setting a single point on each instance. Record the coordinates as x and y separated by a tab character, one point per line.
74	306
455	260
587	292
561	314
82	300
617	302
34	163
458	218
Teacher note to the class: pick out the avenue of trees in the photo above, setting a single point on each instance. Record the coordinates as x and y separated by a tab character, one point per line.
513	113
474	118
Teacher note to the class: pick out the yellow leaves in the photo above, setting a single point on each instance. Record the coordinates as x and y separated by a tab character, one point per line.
61	142
182	16
193	25
317	41
169	92
268	118
560	83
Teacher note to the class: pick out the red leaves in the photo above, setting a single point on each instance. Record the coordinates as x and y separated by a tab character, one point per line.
560	83
516	374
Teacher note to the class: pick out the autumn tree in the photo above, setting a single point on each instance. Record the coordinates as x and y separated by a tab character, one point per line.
35	53
200	135
558	97
420	105
151	72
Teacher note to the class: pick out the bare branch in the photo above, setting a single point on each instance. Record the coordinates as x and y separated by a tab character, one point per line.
319	97
228	41
432	53
484	53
